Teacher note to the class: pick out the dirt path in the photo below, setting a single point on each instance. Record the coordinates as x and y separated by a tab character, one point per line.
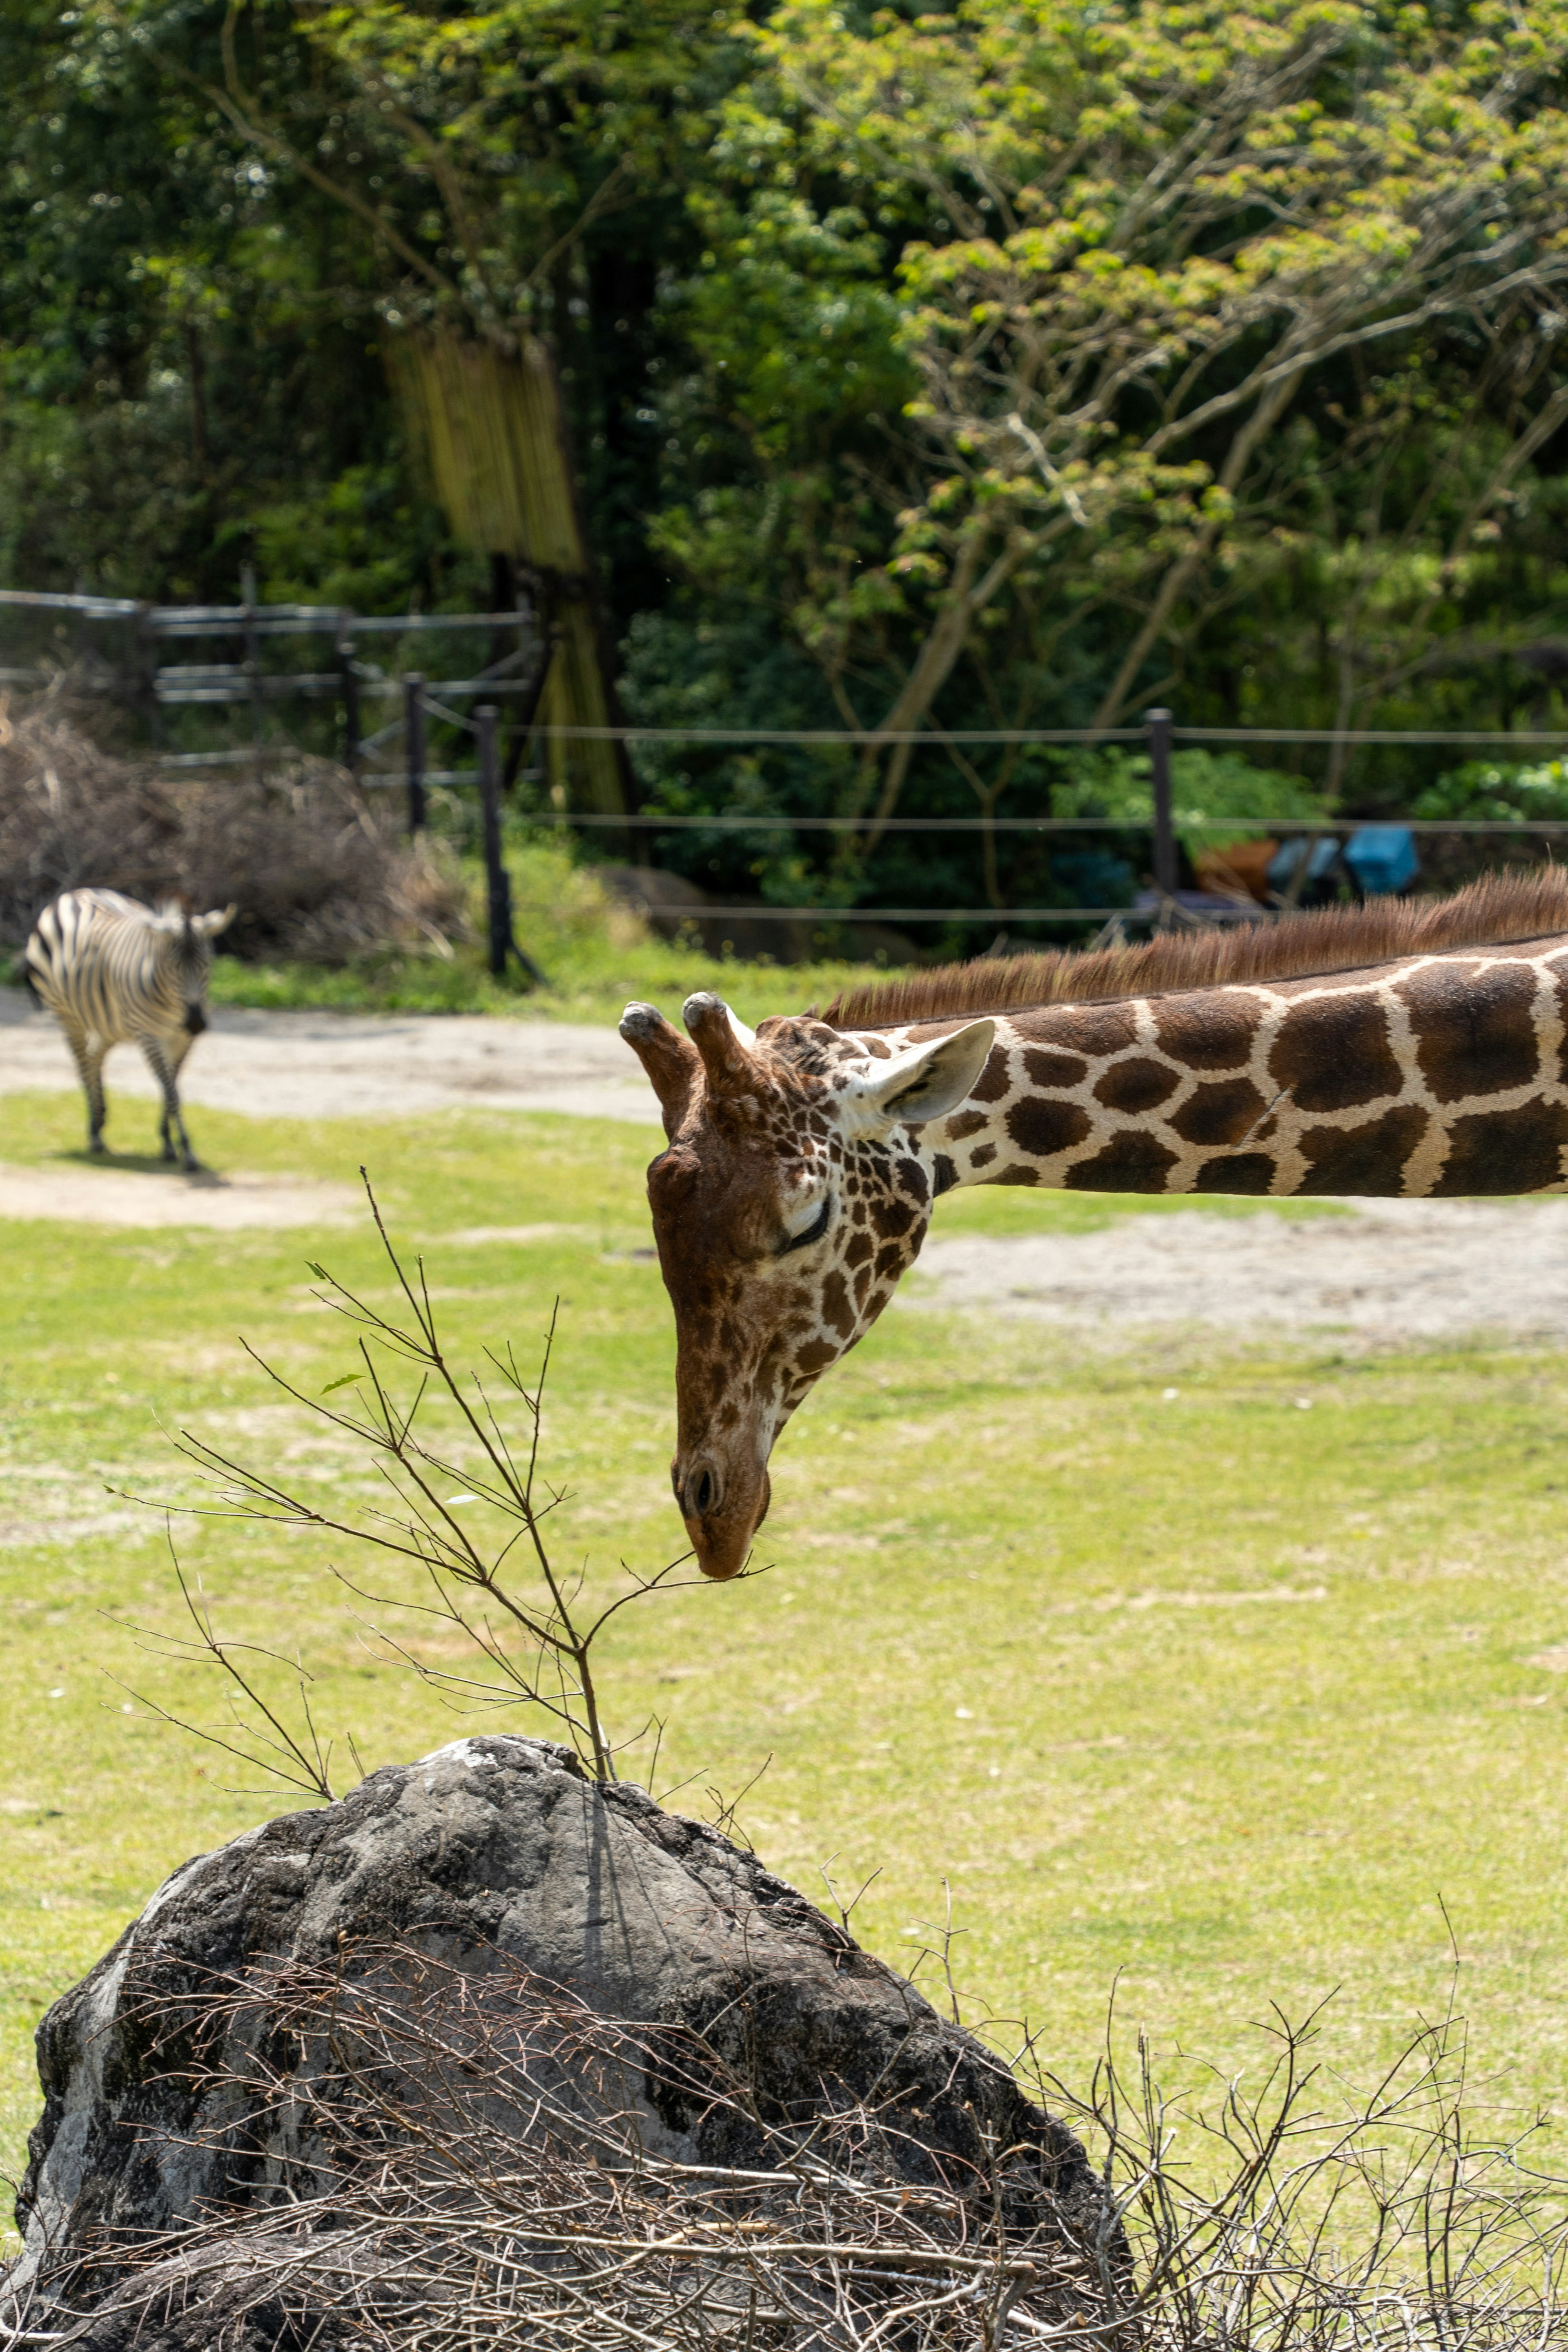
357	1065
1392	1271
123	1196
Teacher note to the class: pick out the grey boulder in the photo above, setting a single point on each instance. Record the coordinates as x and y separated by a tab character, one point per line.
496	1858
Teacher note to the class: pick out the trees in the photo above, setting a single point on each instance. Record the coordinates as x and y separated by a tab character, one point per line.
1195	289
452	167
1020	364
187	339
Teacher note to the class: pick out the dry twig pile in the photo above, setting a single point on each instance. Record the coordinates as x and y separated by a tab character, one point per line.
479	2163
316	871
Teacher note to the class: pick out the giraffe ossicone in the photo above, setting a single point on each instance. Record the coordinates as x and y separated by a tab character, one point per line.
1412	1048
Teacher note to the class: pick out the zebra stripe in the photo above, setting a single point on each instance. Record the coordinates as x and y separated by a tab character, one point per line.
113	971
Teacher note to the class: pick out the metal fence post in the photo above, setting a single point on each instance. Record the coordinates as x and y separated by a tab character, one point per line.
351	677
413	746
1157	725
252	656
147	672
498	881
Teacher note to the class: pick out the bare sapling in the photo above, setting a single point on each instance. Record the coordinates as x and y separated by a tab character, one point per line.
254	1727
529	1636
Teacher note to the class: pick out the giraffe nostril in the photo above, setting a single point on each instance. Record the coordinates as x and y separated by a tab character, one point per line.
705	1491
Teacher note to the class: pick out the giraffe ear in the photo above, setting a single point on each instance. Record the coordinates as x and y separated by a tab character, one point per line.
926	1081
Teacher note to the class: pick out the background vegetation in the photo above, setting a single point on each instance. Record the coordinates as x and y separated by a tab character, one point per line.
1012	367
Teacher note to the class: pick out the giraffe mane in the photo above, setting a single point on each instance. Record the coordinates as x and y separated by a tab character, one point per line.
1499	908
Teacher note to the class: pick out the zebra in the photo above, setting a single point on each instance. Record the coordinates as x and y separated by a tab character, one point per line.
113	971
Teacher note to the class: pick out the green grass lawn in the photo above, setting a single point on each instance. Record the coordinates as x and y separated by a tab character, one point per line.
1209	1693
595	955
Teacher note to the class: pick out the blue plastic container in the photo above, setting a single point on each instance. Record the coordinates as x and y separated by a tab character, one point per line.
1382	858
1288	857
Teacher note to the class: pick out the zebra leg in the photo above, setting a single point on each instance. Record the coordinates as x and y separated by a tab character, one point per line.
165	1069
90	1064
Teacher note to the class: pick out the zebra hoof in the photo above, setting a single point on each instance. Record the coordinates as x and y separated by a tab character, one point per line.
96	1147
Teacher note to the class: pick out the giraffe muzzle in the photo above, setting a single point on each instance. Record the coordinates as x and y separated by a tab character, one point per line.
721	1518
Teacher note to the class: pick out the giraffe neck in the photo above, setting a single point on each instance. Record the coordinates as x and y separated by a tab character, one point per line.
1436	1074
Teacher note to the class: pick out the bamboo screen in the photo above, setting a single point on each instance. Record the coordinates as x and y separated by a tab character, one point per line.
492	429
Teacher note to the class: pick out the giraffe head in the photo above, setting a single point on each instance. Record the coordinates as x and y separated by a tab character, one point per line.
791	1197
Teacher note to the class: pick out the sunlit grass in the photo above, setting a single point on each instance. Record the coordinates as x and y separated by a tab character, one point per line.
595	955
1222	1690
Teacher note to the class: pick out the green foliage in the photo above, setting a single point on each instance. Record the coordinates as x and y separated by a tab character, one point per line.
1012	367
1497	792
1137	238
1217	798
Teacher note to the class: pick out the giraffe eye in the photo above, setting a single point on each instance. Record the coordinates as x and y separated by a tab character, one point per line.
813	1233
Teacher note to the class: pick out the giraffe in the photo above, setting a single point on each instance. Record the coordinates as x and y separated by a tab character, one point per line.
1412	1048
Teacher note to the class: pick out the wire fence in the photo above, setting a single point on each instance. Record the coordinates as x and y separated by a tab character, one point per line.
395	756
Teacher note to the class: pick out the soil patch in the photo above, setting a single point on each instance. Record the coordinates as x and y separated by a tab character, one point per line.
1393	1272
121	1196
356	1065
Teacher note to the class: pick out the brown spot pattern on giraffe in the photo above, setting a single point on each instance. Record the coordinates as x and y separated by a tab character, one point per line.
1368	1159
1018	1173
1133	1162
983	1156
1092	1029
1207	1033
1558	968
1240	1171
966	1122
1136	1086
1221	1111
1039	1125
1332	1053
1045	1069
1506	1150
995	1079
892	1218
1474	1034
837	1312
946	1173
